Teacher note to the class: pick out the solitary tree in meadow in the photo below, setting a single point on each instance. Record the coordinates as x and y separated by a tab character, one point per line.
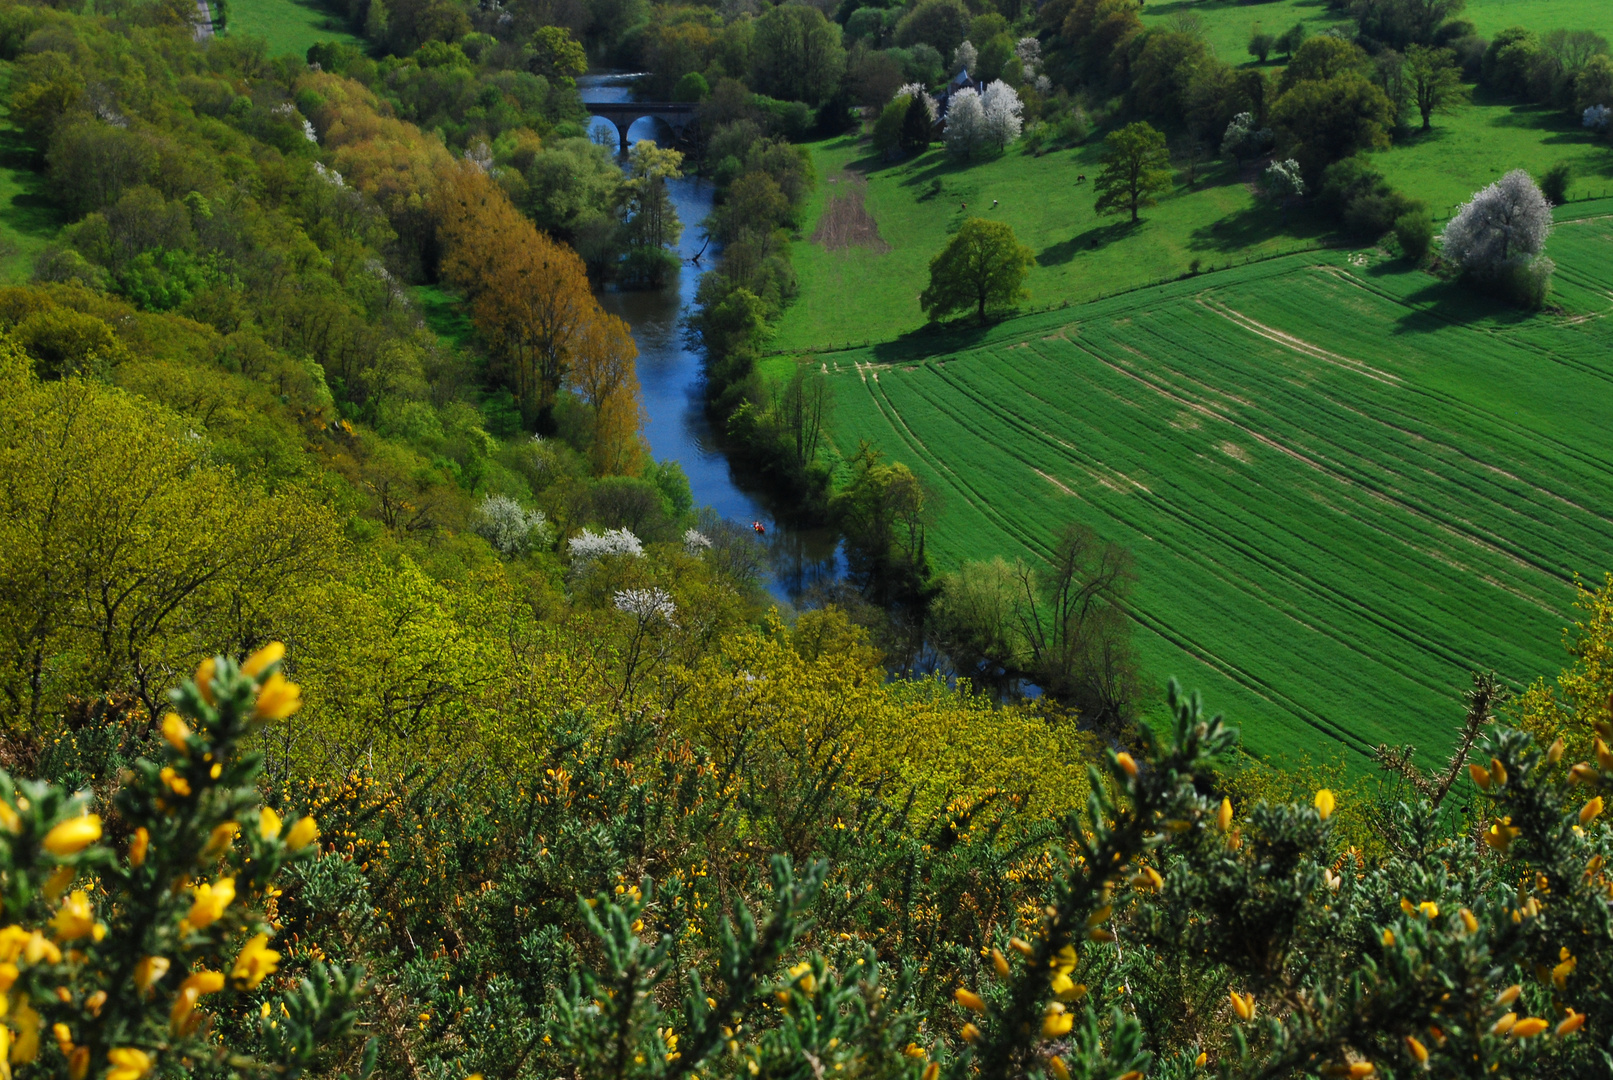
984	265
1136	167
1434	81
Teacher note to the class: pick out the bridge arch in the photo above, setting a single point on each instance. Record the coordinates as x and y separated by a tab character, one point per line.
680	117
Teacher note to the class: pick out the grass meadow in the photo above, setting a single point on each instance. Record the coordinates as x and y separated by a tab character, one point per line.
290	26
858	293
1347	484
1228	23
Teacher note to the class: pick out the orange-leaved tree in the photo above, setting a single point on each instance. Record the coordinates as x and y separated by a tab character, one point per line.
529	294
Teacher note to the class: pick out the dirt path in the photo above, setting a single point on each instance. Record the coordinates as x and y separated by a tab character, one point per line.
204	21
846	222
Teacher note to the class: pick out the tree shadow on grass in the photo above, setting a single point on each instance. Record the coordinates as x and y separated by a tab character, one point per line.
933	339
1099	236
1443	303
1256	225
32	211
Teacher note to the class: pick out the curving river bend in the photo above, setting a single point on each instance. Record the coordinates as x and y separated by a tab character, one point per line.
671	378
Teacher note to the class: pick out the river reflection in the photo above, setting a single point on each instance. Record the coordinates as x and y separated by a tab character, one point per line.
670	375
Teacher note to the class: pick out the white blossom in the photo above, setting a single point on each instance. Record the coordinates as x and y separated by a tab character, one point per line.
1243	140
1001	107
588	546
1598	117
308	131
966	122
695	541
509	528
964	59
1504	225
1029	51
1282	180
916	90
1044	85
647	605
330	176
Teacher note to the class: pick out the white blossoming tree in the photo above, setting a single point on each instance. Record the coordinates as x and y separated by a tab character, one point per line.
510	529
965	58
588	546
966	122
1499	237
1001	111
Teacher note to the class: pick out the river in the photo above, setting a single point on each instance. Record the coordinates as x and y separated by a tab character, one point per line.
670	376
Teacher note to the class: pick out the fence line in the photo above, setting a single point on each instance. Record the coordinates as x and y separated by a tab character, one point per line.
1043	309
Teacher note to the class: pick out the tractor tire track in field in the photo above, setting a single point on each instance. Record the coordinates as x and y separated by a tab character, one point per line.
1230	578
1194	648
1345	474
1352	460
1295	578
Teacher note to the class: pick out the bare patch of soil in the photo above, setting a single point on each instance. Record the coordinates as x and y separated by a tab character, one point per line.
846	222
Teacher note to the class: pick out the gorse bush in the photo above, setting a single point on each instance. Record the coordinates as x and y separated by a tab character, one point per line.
1175	939
151	956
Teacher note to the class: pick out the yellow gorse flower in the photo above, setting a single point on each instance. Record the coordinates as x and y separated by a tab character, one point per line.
278	698
128	1063
1325	803
73	835
1529	1027
1418	1051
76	919
149	971
139	844
176	732
268	823
303	833
256	963
1590	811
1223	816
210	901
1243	1005
191	991
25	1021
204	678
263	659
219	840
969	999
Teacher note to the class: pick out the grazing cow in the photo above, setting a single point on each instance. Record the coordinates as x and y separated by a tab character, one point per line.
963	206
1081	179
994	204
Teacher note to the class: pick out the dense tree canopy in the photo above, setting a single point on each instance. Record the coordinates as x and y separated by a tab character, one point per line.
982	266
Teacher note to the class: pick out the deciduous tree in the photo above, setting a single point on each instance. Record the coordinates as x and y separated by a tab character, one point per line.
1434	81
1136	167
982	266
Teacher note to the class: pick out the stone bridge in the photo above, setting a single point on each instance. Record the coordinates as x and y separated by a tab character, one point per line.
677	115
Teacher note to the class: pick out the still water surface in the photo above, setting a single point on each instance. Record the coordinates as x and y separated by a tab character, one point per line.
670	375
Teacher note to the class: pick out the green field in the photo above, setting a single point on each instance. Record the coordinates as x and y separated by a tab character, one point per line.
1346	483
290	26
1227	23
859	294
